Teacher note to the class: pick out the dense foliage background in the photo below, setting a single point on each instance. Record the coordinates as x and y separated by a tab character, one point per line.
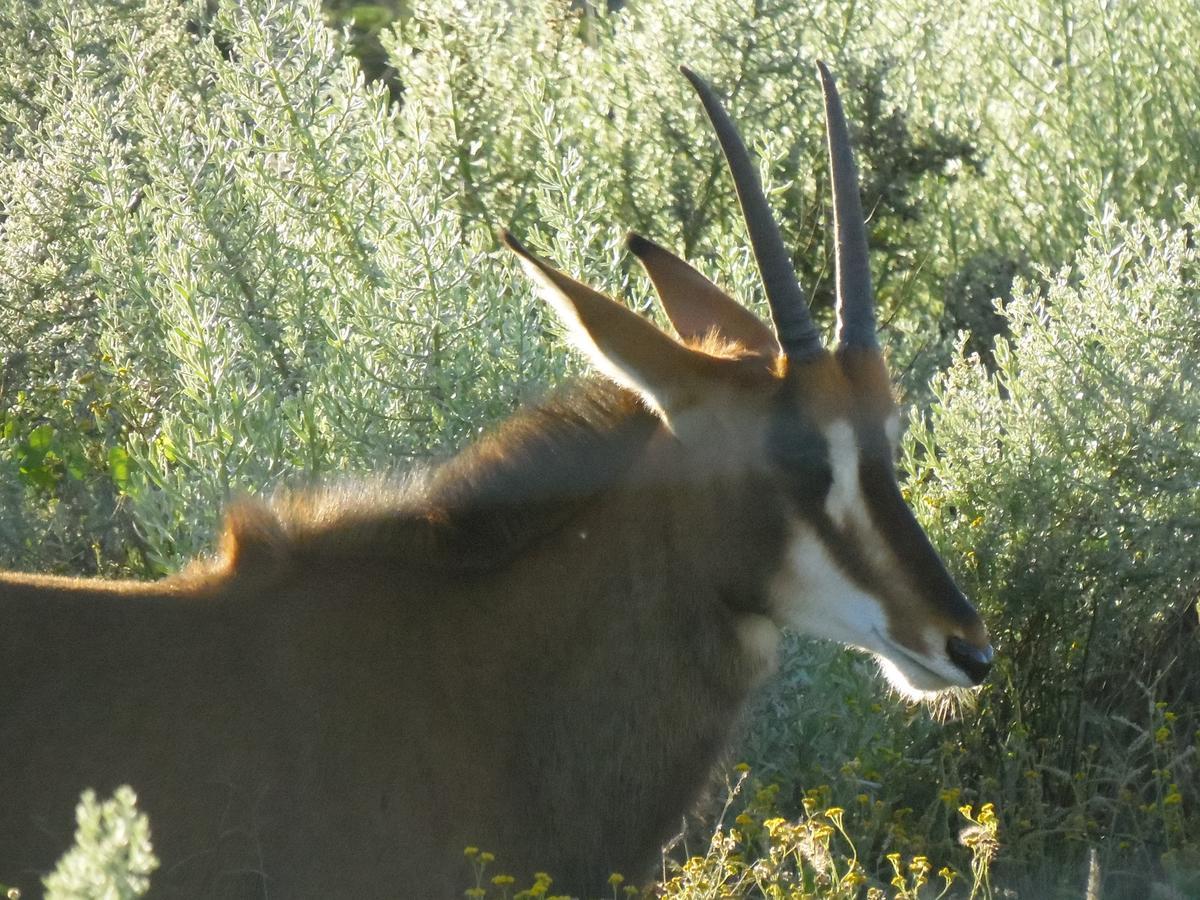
228	262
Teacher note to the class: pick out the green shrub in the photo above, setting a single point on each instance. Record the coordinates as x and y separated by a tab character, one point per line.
111	858
1063	489
1074	105
222	269
227	263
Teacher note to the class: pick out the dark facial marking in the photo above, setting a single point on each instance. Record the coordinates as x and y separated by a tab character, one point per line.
895	521
801	452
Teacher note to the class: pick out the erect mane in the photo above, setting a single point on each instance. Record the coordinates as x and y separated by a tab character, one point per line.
473	512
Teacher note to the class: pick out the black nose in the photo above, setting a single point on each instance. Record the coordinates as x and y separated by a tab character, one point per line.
975	661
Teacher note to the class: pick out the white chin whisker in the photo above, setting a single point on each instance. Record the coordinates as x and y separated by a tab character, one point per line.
946	703
916	676
902	683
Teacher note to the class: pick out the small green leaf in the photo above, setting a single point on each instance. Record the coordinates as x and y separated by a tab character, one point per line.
40	438
118	466
39	476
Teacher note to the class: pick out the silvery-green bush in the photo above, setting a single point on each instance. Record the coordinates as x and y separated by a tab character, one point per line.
1076	106
224	264
1065	483
1064	487
111	858
227	263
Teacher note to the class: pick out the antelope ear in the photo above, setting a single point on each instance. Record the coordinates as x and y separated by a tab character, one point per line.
696	306
624	346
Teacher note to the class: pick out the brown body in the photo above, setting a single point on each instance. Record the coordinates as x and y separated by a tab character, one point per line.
538	648
338	707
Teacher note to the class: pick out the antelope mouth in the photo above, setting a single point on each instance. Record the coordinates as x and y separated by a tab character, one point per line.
916	670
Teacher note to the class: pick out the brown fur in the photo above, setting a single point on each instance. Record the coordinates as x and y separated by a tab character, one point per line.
361	685
831	391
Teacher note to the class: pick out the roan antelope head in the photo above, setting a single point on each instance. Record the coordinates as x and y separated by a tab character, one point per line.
538	647
819	427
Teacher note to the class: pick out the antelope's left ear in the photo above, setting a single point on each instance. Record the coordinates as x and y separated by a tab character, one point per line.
697	307
626	347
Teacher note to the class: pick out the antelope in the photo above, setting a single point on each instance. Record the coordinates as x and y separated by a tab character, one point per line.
540	646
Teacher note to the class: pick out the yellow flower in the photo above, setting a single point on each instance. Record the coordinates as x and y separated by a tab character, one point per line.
616	878
854	878
774	825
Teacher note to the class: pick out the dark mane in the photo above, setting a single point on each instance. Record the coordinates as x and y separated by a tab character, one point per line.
471	513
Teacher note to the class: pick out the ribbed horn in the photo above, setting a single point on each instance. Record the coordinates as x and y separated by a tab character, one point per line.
789	309
855	298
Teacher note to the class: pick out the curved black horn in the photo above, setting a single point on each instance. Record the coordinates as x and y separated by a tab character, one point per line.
855	299
789	309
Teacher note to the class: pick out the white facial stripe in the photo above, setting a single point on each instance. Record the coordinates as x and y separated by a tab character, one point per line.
844	500
814	596
845	503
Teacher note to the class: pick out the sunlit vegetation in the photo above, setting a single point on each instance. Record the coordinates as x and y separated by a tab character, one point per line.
229	262
760	854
